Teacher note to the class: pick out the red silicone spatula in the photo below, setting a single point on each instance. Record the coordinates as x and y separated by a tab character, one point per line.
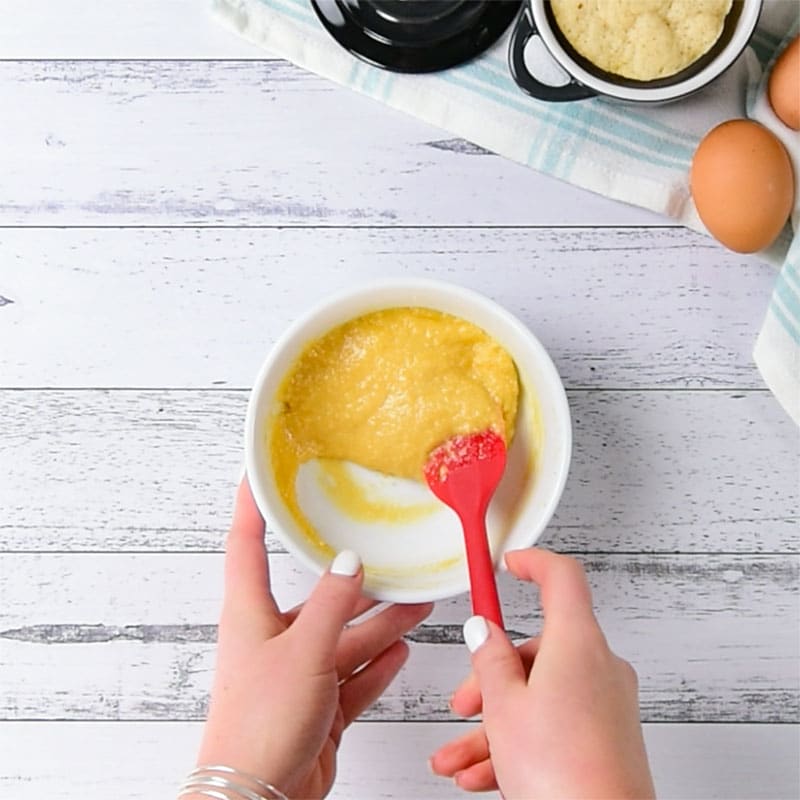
463	472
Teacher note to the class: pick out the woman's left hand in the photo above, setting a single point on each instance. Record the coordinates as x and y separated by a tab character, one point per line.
287	684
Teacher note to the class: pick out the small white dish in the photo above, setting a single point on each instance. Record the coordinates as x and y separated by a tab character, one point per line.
419	560
582	79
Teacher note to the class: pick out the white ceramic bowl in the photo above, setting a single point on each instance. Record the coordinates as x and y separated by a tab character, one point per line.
585	79
421	560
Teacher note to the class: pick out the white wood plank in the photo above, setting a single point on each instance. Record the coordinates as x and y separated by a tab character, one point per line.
82	29
376	760
380	760
713	637
631	308
155	470
243	142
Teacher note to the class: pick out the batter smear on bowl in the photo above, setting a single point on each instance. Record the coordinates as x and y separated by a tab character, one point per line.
383	390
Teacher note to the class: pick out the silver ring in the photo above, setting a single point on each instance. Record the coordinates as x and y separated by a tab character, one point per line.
204	776
205	793
224	784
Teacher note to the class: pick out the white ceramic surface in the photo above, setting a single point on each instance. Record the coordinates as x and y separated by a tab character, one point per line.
420	560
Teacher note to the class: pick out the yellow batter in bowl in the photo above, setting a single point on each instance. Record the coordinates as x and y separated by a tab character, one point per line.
382	391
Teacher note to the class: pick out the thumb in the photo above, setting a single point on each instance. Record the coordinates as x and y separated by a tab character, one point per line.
495	661
329	606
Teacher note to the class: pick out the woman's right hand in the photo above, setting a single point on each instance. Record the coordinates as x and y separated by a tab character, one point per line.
560	713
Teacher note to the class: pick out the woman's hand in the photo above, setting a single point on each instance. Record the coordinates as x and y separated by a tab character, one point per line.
560	713
287	684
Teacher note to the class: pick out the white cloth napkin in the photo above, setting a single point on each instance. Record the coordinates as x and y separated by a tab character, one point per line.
777	350
636	155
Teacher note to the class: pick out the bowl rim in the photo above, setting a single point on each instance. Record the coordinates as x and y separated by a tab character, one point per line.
745	26
363	290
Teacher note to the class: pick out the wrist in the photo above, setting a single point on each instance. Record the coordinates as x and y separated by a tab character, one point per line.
262	758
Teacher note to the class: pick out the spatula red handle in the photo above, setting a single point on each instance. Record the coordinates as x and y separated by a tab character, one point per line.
463	472
485	601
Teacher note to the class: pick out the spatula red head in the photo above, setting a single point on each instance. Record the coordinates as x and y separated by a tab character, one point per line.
463	472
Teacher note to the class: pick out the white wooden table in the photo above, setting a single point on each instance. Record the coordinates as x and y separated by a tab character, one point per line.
170	199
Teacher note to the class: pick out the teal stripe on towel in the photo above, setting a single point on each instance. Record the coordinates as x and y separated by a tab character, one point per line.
498	67
788	324
786	295
790	299
301	12
587	113
569	126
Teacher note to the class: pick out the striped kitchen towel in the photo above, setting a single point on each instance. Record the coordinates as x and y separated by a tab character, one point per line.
639	156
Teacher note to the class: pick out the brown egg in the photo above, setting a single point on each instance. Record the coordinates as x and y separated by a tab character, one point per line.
742	184
783	88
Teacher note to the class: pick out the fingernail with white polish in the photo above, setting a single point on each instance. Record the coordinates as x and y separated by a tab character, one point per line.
347	563
242	474
476	632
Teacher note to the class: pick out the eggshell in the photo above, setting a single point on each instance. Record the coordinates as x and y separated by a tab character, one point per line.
742	184
783	88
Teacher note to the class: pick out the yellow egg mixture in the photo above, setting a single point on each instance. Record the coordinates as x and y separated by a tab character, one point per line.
382	391
641	39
